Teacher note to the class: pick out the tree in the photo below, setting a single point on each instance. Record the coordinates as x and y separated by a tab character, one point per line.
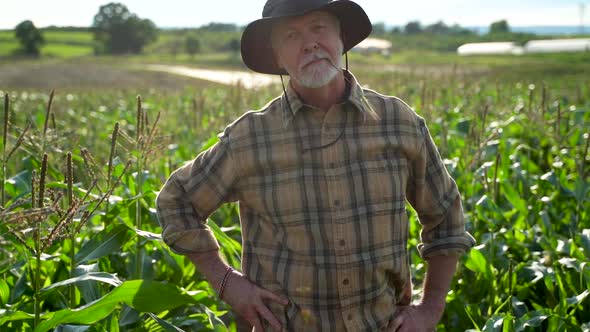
437	28
120	31
234	45
220	27
29	37
379	29
192	44
413	27
499	27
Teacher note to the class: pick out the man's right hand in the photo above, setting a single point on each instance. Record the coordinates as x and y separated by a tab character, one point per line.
246	298
249	301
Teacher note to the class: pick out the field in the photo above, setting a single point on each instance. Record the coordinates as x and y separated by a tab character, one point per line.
57	44
80	244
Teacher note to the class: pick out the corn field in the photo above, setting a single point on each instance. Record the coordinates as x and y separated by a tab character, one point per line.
80	243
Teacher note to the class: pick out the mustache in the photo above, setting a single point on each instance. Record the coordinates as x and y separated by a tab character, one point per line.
317	55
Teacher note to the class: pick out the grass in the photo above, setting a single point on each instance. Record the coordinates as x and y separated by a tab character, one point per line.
66	51
7	48
69	37
58	44
60	37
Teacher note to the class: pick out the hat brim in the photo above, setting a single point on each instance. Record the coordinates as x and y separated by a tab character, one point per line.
256	46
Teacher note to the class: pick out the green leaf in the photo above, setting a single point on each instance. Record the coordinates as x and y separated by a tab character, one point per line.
88	289
478	263
167	326
585	235
514	198
114	324
581	191
19	288
148	235
4	292
508	325
72	328
463	126
530	319
143	295
214	321
570	263
96	276
577	299
103	243
129	316
19	184
473	310
518	306
10	316
227	243
494	324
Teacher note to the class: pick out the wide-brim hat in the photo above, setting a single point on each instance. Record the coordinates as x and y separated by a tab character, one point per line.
256	45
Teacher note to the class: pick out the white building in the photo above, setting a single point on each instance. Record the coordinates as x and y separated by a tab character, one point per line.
490	48
373	45
558	45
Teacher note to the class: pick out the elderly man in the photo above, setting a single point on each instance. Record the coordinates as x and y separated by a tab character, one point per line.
322	175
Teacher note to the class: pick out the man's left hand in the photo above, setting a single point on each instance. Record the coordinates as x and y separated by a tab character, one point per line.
415	318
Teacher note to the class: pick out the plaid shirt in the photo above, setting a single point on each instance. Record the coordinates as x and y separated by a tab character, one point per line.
322	198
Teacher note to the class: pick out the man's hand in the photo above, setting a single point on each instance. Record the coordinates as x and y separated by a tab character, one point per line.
415	318
425	315
248	300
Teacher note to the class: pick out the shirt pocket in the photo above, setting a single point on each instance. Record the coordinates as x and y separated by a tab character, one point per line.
386	176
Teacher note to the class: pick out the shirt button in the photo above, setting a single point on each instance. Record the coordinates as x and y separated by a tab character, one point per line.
345	282
342	242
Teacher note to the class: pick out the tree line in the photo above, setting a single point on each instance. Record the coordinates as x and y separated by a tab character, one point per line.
438	28
117	30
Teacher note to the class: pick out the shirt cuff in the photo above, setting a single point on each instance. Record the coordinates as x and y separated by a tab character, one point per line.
447	246
189	241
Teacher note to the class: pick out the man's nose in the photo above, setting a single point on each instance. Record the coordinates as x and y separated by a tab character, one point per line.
310	44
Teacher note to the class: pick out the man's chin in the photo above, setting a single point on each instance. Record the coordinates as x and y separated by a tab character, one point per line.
314	83
317	80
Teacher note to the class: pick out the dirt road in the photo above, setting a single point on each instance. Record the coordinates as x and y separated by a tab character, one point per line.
248	80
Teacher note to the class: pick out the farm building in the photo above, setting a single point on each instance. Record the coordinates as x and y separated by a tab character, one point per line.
373	45
558	45
490	48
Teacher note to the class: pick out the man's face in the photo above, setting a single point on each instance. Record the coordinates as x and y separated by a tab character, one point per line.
309	48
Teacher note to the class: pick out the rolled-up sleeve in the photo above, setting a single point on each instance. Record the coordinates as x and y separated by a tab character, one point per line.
434	195
191	194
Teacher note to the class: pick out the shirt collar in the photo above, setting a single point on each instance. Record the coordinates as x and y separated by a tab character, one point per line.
291	103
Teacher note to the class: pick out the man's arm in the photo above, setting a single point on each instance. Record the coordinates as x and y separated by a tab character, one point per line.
425	315
191	194
437	281
246	298
435	197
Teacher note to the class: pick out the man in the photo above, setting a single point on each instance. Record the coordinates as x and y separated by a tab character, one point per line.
322	175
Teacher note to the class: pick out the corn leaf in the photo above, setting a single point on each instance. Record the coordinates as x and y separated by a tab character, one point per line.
143	295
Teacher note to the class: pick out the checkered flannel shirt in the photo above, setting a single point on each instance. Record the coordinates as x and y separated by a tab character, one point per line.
322	199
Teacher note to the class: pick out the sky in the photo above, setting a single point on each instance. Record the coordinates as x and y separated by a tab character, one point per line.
194	13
